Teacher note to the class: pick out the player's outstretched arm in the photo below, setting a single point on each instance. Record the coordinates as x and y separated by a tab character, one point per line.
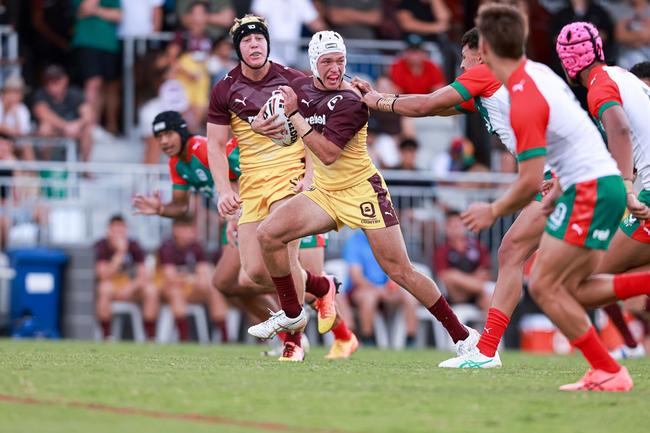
153	205
229	200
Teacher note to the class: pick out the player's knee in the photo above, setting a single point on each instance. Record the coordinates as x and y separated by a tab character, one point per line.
541	289
265	236
509	252
400	274
256	274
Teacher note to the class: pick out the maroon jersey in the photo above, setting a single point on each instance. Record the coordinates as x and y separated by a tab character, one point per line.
342	117
235	101
104	252
185	259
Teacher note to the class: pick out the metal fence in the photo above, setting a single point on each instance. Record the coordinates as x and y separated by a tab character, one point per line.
70	203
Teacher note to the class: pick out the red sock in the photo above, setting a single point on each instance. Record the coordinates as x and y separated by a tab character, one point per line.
445	315
594	350
341	331
616	316
287	295
183	329
495	326
630	285
294	338
282	336
106	328
150	329
317	285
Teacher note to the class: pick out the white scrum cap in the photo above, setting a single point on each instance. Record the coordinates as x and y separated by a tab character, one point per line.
324	42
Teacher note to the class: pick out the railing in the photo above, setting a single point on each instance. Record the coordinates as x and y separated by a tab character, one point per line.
75	201
370	57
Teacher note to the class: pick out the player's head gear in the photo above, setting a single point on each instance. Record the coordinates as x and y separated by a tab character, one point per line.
579	46
324	42
171	121
246	26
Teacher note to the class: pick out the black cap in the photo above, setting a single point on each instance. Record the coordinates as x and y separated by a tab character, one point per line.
413	40
171	121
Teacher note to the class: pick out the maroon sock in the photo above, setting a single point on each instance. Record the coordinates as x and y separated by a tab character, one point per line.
445	315
294	338
106	328
287	295
221	327
616	316
183	329
150	329
317	285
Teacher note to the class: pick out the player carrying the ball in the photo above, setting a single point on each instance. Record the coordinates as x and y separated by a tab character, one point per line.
271	174
331	118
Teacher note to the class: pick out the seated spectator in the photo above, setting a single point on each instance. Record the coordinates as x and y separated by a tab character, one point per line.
632	31
462	265
413	72
6	156
121	276
642	70
460	157
15	120
220	15
354	19
186	277
171	97
221	59
408	149
190	50
370	288
427	18
62	112
285	19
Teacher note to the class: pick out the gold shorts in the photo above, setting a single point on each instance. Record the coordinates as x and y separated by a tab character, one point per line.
366	205
260	189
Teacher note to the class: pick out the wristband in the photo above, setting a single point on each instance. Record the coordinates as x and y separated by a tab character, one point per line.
386	104
307	133
293	113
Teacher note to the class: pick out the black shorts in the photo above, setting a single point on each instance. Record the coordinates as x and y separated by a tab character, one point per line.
92	62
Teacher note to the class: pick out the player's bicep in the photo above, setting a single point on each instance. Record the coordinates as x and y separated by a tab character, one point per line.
615	121
181	196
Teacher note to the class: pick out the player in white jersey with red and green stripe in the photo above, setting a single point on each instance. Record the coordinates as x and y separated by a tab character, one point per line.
619	102
477	90
585	206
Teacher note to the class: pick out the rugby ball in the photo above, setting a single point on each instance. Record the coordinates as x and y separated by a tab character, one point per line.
275	104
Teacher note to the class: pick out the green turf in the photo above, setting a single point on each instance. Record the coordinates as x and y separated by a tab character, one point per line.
377	391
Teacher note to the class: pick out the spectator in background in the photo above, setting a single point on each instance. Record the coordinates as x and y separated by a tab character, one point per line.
121	276
220	15
61	111
171	97
140	18
285	19
354	19
413	72
52	22
98	58
221	59
186	277
189	53
427	18
632	31
6	156
370	287
408	150
462	265
460	157
642	70
15	120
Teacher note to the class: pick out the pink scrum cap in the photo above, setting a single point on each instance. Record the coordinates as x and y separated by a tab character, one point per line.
578	46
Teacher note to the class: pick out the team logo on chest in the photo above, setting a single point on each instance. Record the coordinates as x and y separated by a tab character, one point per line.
332	102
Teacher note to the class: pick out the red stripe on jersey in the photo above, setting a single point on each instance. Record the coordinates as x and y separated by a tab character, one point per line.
642	233
529	111
231	145
320	240
469	106
582	213
479	81
197	145
601	89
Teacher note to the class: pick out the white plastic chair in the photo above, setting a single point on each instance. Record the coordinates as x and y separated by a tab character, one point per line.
119	309
166	331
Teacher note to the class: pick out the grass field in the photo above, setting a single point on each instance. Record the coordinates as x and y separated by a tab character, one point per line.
86	387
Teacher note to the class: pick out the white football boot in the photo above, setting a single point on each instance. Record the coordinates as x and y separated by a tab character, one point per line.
469	344
473	359
279	322
626	352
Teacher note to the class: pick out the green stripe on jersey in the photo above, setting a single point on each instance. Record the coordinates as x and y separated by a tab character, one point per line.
604	107
531	153
462	90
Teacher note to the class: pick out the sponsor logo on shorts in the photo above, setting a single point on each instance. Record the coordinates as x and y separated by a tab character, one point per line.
368	211
557	217
629	221
601	235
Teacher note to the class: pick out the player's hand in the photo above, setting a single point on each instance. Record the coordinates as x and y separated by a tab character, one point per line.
147	205
303	184
120	243
371	98
548	204
547	186
363	85
231	231
270	127
290	99
478	216
637	209
228	203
